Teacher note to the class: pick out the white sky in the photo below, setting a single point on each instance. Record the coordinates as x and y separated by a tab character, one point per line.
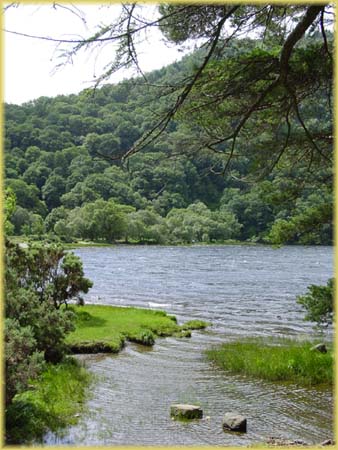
29	63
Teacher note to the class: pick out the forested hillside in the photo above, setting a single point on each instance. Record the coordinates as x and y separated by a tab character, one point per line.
63	163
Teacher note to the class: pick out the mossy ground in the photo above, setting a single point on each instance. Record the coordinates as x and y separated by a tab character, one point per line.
282	360
106	328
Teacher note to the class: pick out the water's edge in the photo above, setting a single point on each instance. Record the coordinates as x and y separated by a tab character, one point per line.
132	395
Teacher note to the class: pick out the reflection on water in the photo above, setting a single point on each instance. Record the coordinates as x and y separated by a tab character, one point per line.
243	291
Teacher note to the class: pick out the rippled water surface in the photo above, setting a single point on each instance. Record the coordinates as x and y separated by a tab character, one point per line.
243	291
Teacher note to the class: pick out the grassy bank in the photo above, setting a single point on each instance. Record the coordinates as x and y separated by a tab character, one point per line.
56	397
283	360
80	244
23	239
52	403
106	328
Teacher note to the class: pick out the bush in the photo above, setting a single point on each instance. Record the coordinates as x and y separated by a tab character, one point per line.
39	279
47	325
318	303
144	337
22	361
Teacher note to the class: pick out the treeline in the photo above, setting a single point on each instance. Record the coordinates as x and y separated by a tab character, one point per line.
62	161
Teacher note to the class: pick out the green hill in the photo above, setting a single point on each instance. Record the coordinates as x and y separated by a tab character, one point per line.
63	162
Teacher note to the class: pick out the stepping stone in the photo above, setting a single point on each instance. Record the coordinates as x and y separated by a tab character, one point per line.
234	422
183	411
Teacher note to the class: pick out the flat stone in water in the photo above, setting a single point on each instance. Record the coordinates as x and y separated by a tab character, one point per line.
184	411
234	422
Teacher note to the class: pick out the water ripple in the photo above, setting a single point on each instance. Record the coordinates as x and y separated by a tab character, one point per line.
244	292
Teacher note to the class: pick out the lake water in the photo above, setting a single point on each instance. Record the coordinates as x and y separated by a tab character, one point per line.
244	291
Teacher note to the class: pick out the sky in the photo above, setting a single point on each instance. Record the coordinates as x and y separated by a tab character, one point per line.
30	63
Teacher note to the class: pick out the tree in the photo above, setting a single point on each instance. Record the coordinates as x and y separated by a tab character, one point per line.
145	225
286	63
9	208
99	220
26	222
197	223
252	102
251	209
37	174
318	303
53	189
27	196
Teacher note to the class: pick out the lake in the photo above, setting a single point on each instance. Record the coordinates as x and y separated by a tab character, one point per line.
244	291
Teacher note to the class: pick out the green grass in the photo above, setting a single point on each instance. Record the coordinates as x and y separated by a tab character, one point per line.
195	325
284	360
106	328
52	403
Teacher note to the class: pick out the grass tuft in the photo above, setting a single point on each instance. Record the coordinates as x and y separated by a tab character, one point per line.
286	360
195	325
52	403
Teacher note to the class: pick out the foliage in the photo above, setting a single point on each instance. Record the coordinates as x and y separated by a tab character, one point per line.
283	360
50	404
9	208
22	361
38	280
54	275
172	193
232	89
318	303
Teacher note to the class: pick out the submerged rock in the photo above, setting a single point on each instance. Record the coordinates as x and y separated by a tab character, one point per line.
183	334
319	348
234	422
183	411
328	442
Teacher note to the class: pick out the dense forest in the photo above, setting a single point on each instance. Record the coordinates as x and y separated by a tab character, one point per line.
63	163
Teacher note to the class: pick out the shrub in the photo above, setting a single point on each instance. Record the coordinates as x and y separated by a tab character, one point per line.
39	279
318	303
22	360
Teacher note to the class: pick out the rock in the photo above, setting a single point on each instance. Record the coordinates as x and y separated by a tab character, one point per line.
327	442
282	442
234	422
319	348
182	411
